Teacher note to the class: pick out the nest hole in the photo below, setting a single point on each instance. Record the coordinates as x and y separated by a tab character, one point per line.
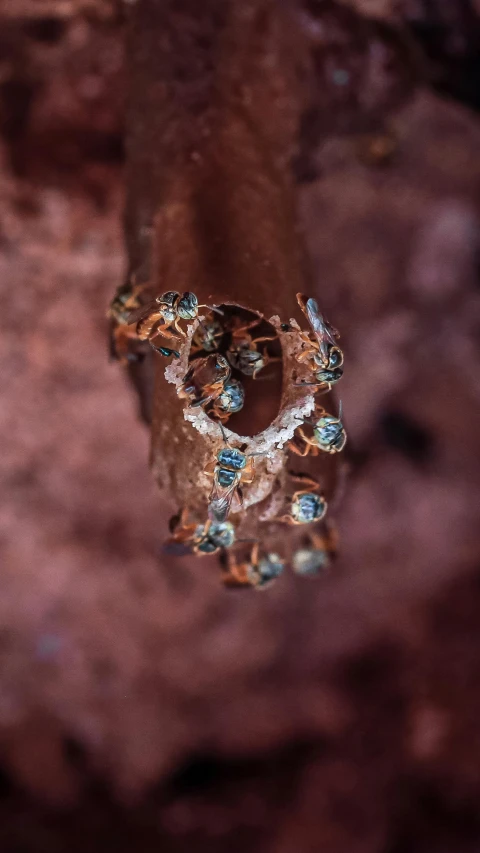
256	364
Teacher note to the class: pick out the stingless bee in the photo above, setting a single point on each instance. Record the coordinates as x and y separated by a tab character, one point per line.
243	353
195	538
321	350
230	400
205	380
230	468
307	505
329	436
316	557
258	571
121	334
207	335
162	316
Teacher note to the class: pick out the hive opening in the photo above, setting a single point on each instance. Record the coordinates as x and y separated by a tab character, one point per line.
251	353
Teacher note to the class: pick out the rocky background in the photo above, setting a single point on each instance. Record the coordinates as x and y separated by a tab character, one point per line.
142	705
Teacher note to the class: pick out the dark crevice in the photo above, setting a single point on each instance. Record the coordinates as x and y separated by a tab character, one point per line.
46	30
74	753
205	773
7	787
449	35
402	433
428	819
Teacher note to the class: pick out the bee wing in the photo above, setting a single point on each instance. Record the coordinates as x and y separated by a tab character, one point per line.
325	333
221	498
175	548
142	312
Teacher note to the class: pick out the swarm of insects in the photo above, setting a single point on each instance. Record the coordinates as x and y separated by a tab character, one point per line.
226	350
208	383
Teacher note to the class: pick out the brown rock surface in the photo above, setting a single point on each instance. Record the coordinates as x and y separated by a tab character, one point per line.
142	705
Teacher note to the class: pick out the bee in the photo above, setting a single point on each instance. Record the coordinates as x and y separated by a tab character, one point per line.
321	350
205	380
329	436
207	335
200	539
316	557
121	335
231	468
124	306
307	505
243	353
162	316
258	571
230	400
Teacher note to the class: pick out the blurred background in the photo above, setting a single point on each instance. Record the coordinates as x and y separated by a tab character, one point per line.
142	705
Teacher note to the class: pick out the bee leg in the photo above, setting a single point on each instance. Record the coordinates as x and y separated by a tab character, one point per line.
301	492
327	541
179	328
266	360
257	370
166	332
235	574
304	355
295	449
240	331
238	498
306	439
163	332
310	445
165	351
307	481
266	338
120	339
202	402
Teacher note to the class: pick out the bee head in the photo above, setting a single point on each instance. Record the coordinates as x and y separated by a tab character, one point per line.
187	306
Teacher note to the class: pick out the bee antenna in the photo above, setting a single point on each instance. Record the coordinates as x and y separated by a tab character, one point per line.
223	432
212	308
340	410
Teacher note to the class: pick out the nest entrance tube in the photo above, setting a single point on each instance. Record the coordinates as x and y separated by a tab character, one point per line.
194	438
252	349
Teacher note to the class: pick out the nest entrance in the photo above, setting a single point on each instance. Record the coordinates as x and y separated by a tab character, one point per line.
252	348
